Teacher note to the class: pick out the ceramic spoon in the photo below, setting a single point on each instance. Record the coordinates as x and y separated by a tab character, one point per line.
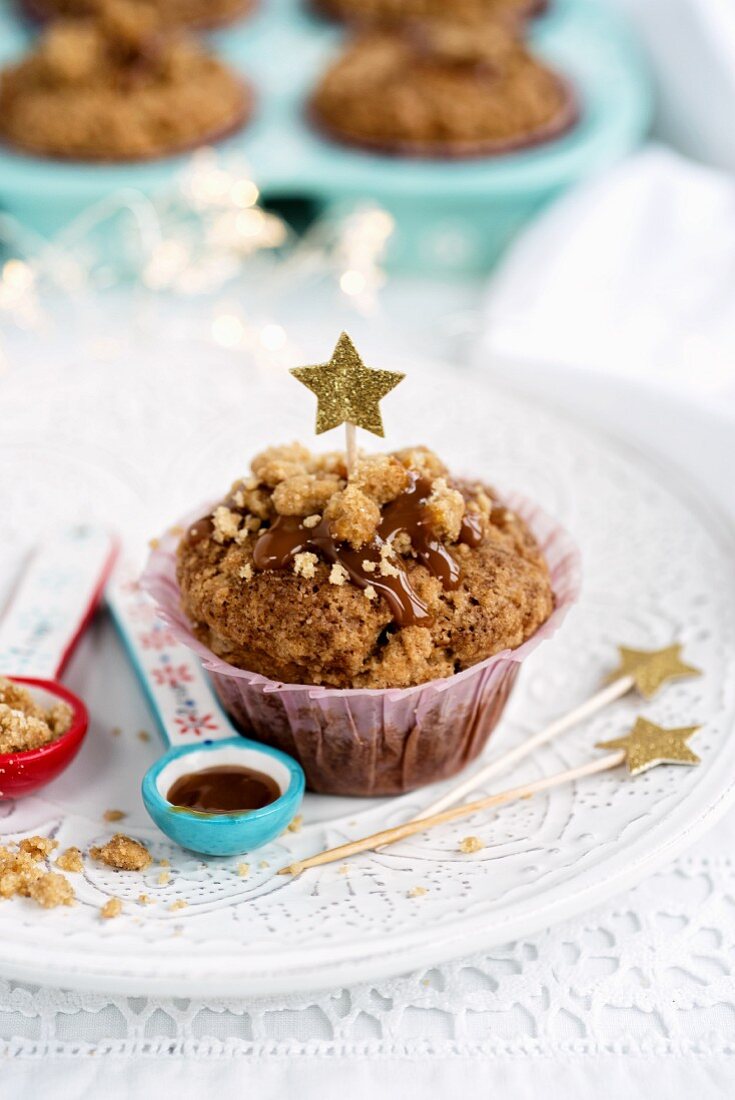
47	615
198	735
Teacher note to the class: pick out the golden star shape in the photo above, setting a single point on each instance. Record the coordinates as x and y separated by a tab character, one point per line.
651	668
347	390
648	745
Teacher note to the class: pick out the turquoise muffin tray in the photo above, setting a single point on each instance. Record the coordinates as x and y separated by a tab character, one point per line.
450	215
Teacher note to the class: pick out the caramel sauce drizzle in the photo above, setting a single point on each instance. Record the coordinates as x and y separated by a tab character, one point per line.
287	537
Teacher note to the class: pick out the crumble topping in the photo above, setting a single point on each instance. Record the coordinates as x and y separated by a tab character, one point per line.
25	724
353	516
123	853
338	575
304	565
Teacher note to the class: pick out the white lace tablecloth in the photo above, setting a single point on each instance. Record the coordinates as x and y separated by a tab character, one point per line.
634	998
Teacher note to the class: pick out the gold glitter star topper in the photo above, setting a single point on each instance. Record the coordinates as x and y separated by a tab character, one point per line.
348	392
650	669
648	745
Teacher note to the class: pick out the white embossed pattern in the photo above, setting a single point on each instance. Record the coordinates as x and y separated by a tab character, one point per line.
129	444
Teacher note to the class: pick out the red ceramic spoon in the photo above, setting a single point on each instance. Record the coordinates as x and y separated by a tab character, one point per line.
48	613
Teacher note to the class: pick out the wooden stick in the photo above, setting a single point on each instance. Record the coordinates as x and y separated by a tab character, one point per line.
601	699
351	447
400	832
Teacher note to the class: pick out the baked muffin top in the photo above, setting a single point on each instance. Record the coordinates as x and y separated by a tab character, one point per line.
392	12
172	13
441	87
118	86
398	576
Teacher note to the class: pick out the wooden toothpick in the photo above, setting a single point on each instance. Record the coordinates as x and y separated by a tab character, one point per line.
644	670
400	832
348	392
351	449
645	746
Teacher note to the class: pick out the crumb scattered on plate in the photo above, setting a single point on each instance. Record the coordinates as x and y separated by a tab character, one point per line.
295	825
37	847
417	891
143	735
113	815
243	869
163	878
71	860
111	908
123	853
470	844
264	863
180	904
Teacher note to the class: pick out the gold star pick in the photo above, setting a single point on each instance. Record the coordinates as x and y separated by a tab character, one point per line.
650	669
348	392
648	745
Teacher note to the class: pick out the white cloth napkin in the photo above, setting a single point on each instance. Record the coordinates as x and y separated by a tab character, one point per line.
691	44
632	274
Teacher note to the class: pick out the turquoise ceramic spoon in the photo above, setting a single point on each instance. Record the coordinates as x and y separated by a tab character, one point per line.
199	736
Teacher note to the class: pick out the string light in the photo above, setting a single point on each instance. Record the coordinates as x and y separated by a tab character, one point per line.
206	233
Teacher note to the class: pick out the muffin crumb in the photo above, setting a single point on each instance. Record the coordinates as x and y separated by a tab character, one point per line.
243	870
312	521
51	890
417	891
294	826
113	815
71	860
112	908
123	854
178	904
470	844
38	847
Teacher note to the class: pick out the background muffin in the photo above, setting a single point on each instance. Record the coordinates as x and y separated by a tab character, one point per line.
392	12
442	87
400	577
116	87
172	13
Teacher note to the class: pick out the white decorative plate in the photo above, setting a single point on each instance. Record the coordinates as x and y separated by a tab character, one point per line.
138	437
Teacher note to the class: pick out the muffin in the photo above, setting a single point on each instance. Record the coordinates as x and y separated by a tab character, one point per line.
389	13
118	88
172	13
371	628
441	88
398	577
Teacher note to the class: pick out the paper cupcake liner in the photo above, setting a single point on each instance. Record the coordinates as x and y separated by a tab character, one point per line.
368	741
